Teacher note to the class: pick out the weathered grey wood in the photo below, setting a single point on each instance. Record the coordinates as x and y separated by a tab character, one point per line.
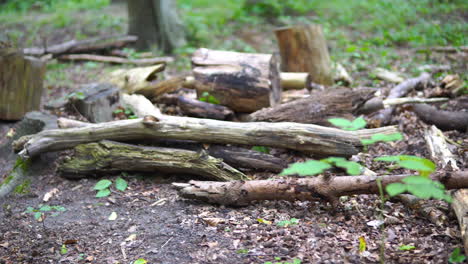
21	83
100	100
318	140
108	156
196	108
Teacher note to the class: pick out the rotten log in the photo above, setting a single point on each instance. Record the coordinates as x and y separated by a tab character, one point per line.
196	108
244	82
98	44
115	60
21	84
107	156
384	116
317	108
241	193
237	157
304	49
313	139
444	120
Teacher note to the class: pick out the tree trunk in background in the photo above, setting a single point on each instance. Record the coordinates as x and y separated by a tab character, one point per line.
304	49
155	22
20	83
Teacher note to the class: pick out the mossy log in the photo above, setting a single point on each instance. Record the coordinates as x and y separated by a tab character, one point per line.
240	193
318	140
108	156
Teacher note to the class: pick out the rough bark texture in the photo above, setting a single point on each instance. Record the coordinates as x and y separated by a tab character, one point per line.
108	156
155	22
318	140
384	116
21	83
240	193
244	82
460	206
304	49
445	120
317	108
97	101
196	108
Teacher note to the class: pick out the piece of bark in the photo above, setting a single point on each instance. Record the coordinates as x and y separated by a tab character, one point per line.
115	60
244	82
99	44
109	156
313	139
444	120
237	157
317	108
97	101
135	79
196	108
21	84
384	116
304	49
241	193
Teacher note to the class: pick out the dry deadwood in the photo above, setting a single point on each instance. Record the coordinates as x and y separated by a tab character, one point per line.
244	82
196	108
83	46
317	108
387	75
434	214
135	79
304	49
377	103
116	60
238	157
460	206
159	88
140	105
295	80
340	74
108	156
444	120
313	139
384	116
240	193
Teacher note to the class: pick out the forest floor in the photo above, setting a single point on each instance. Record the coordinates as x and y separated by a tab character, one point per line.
155	224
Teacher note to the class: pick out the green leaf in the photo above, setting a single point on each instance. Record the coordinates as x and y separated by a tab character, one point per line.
382	138
395	188
37	216
308	168
140	261
358	123
121	184
59	208
45	208
63	249
340	122
345	124
263	221
456	257
297	261
406	247
242	251
102	184
103	193
286	223
261	149
351	167
30	209
424	166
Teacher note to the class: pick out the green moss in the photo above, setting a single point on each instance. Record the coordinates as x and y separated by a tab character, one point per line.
24	187
7	180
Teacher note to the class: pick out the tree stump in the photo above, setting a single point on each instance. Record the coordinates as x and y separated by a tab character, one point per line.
21	82
244	82
304	49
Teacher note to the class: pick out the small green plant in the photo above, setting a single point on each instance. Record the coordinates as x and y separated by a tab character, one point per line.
382	138
63	249
140	261
286	223
208	98
127	112
261	149
314	167
406	247
277	261
39	213
24	187
103	187
345	124
263	221
362	244
456	256
76	96
242	251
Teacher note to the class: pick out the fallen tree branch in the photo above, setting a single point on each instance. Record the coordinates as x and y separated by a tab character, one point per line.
444	120
83	46
109	156
117	60
376	103
240	193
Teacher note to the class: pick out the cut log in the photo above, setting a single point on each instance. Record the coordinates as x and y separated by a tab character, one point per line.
96	101
295	80
99	44
135	79
444	120
116	60
318	140
244	82
196	108
241	193
237	157
304	49
21	83
108	156
317	108
384	116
